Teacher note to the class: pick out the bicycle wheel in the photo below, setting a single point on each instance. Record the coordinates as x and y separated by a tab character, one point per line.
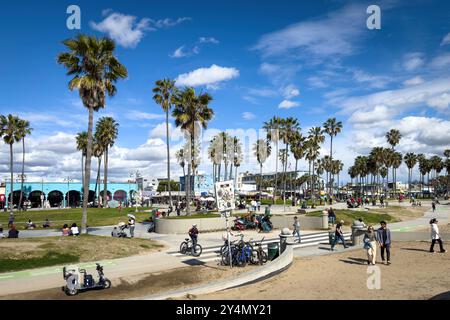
241	259
183	247
198	250
254	257
262	256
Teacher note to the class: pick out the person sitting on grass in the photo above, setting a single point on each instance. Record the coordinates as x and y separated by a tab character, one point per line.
46	224
1	232
13	232
30	224
65	230
74	230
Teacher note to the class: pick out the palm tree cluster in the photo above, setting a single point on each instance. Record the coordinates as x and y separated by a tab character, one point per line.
12	130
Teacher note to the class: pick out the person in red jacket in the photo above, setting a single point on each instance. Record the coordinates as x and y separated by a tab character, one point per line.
193	233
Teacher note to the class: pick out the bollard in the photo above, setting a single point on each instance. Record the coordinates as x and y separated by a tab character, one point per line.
325	219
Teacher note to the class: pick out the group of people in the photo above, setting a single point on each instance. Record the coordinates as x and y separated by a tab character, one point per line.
70	231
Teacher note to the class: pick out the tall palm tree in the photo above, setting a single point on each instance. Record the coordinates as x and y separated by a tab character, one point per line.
24	130
262	150
215	155
164	94
393	138
298	151
272	128
95	71
410	161
82	141
107	130
311	154
191	110
10	132
387	161
317	138
437	165
396	163
332	127
237	157
289	126
97	151
447	168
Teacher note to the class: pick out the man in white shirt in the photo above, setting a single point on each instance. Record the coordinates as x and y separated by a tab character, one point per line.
435	236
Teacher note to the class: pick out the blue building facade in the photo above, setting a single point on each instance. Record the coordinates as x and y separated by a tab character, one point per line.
66	194
203	184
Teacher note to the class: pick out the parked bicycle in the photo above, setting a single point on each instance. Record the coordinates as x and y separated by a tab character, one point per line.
187	247
259	256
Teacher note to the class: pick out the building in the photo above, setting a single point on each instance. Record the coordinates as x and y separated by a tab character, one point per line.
66	194
203	184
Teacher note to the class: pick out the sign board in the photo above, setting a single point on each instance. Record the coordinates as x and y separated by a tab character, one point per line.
225	196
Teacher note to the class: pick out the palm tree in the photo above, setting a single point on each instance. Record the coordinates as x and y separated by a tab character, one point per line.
396	163
237	157
447	168
95	70
215	155
311	154
107	130
298	151
97	151
332	127
437	165
11	133
272	128
410	161
82	141
24	130
190	111
387	161
289	126
316	136
164	94
393	138
377	155
262	150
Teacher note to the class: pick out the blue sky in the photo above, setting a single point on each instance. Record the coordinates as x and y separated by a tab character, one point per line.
308	59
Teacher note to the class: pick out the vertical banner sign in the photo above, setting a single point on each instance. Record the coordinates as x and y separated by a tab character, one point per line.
225	196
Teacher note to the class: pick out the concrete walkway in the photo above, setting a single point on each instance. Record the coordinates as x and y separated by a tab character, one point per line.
45	278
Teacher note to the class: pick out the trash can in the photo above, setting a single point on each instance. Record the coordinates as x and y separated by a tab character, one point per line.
272	250
331	237
357	235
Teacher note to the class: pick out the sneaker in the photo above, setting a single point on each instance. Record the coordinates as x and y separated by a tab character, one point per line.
368	262
388	262
444	251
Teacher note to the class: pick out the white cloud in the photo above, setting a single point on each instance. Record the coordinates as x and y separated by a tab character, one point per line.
262	92
317	82
413	81
372	117
441	61
139	115
287	104
412	61
183	52
207	76
208	40
446	40
290	92
126	30
248	116
167	22
440	102
159	131
331	36
373	81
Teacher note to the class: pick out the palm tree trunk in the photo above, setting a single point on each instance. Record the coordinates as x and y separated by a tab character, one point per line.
168	157
231	172
23	172
11	199
82	167
235	176
105	179
218	169
260	181
331	161
87	174
276	174
97	182
294	198
226	171
188	189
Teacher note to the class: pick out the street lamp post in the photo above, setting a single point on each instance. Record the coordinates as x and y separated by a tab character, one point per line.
69	180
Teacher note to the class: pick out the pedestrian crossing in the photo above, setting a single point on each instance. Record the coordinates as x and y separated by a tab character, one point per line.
308	240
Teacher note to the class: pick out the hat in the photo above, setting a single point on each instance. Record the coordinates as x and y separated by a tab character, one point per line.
194	225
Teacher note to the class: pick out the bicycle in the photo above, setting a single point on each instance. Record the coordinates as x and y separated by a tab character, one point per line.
186	246
259	256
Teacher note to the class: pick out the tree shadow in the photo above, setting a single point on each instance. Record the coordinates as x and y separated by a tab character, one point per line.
354	261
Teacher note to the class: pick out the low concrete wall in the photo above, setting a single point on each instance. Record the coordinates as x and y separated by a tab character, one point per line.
271	268
181	226
306	223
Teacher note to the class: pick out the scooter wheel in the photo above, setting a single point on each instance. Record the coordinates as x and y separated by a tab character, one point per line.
107	284
71	292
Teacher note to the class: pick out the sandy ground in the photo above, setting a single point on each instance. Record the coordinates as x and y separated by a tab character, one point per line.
443	228
138	286
414	274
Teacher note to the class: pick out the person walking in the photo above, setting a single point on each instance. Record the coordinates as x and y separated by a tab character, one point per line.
131	225
331	216
384	240
296	231
433	205
435	236
339	235
370	244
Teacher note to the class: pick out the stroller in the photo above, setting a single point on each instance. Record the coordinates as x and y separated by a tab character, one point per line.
119	231
264	224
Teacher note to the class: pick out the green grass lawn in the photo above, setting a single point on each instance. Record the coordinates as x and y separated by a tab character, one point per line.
21	254
369	217
96	217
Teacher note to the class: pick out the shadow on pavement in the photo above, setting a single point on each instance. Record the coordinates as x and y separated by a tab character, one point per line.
354	261
415	249
442	296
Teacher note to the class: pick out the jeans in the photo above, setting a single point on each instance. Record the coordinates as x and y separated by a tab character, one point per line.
336	240
331	220
386	247
297	232
194	242
132	231
441	247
